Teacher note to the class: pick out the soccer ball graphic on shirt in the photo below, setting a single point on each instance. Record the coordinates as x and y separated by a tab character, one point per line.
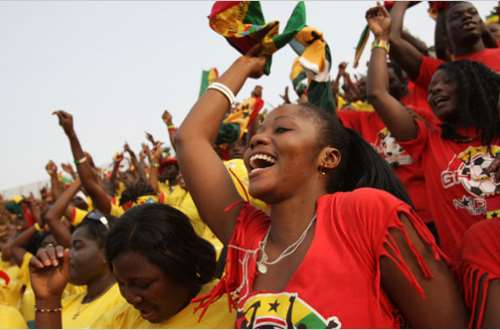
476	179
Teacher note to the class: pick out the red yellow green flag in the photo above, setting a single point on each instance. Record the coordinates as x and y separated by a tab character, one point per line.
243	25
207	77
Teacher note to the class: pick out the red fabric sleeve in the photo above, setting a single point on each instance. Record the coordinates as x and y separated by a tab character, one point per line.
417	146
376	212
250	224
427	68
480	265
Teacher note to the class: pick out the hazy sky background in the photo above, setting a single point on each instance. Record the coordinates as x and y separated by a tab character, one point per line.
117	65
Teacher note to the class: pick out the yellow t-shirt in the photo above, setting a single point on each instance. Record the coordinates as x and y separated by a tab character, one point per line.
78	315
216	317
10	294
10	318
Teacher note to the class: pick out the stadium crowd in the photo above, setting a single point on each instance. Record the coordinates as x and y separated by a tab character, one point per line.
367	201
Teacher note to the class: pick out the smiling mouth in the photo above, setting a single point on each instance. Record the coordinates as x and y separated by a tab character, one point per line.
469	25
440	100
260	162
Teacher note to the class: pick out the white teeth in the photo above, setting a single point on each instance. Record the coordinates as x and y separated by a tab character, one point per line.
261	157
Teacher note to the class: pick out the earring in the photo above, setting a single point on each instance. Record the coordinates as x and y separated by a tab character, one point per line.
323	170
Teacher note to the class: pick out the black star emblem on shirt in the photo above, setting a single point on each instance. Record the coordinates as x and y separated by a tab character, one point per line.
274	306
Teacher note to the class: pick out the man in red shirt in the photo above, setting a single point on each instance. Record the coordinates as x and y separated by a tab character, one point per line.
464	29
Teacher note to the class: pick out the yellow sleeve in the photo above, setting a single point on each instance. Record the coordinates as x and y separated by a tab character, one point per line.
10	318
24	272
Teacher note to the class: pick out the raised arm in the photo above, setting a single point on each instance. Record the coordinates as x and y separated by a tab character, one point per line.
57	210
16	247
138	167
206	176
171	129
155	167
397	119
403	52
88	177
55	185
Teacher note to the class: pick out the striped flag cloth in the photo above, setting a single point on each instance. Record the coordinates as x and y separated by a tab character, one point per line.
312	68
243	25
207	77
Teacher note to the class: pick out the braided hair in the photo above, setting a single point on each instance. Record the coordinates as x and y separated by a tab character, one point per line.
478	89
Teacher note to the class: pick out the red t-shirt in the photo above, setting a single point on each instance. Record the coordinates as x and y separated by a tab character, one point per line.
480	265
338	282
459	190
489	57
373	130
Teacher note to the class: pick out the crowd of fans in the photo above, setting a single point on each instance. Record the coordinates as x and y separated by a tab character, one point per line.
370	201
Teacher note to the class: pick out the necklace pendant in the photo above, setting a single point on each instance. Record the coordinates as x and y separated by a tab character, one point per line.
261	268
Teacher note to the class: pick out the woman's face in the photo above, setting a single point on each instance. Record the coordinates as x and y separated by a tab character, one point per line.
87	261
146	287
443	96
283	154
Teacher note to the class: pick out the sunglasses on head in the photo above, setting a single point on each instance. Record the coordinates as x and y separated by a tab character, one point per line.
97	216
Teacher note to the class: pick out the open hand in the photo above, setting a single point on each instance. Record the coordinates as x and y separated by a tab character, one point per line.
379	21
67	168
51	168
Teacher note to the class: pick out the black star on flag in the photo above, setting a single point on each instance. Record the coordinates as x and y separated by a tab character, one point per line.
274	306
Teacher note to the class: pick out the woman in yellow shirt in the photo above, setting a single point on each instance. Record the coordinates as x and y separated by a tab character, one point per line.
84	263
160	265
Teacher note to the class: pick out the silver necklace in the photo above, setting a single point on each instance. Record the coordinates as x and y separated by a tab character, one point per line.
264	261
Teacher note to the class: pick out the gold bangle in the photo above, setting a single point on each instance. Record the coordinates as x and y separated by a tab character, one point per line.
377	43
48	310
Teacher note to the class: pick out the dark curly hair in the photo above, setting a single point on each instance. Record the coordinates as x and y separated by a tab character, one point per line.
165	237
478	89
135	190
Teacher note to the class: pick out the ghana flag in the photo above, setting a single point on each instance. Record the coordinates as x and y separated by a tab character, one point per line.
315	61
207	77
243	25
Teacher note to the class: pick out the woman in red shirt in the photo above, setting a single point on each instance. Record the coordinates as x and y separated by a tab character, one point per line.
462	154
331	253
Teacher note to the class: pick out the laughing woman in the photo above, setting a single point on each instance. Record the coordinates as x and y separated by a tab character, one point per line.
461	156
334	251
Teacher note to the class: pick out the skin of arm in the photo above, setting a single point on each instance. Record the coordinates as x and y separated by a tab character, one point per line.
441	38
55	185
403	52
171	129
116	168
88	178
53	215
135	162
397	119
196	155
155	167
15	248
443	306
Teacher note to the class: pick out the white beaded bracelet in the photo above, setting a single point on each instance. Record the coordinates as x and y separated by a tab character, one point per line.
224	90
